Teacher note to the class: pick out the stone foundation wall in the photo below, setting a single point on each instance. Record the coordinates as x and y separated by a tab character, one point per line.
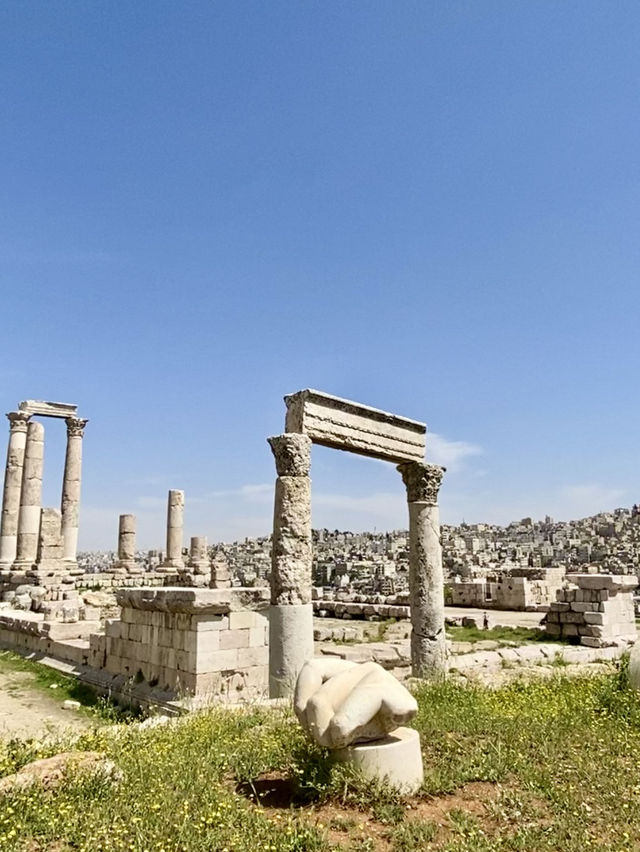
506	592
114	580
349	609
206	643
597	610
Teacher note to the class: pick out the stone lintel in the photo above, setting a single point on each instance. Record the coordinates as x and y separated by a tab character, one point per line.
194	601
611	582
48	409
346	425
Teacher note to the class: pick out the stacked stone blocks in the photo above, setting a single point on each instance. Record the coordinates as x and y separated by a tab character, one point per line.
201	642
597	610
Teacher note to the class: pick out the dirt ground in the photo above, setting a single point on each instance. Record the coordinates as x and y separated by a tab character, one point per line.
27	710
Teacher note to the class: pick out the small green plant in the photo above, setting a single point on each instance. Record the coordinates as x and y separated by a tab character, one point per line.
412	835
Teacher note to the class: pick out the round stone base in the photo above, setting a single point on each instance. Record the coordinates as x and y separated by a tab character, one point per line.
397	759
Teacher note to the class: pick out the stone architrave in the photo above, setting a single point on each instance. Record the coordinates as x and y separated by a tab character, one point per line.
126	562
174	561
426	579
291	614
30	498
18	422
347	425
71	486
220	573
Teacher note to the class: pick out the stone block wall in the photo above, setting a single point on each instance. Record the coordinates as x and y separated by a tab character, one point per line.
524	589
596	610
207	643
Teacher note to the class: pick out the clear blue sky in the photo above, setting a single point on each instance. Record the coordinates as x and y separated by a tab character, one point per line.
429	207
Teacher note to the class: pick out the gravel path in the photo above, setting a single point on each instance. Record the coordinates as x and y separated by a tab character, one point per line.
27	710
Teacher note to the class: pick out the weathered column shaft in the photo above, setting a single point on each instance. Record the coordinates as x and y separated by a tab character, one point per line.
31	496
426	579
173	559
18	422
71	486
198	550
127	538
291	614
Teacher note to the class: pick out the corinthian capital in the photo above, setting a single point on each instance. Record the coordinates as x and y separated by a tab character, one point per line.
18	421
75	426
292	454
422	481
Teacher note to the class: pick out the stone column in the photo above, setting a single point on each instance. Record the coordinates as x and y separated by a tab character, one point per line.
18	422
291	613
30	498
426	579
126	562
220	574
173	560
71	486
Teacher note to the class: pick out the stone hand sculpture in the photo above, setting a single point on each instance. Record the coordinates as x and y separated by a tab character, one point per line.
339	703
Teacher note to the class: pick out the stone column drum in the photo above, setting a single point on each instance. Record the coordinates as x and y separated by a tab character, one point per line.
30	498
426	579
290	614
126	562
198	555
173	560
18	422
71	486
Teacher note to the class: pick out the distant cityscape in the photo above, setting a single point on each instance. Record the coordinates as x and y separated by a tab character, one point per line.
377	563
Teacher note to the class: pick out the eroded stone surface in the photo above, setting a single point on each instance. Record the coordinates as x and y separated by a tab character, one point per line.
347	425
292	454
339	703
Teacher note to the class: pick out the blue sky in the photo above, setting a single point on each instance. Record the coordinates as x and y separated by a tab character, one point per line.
432	208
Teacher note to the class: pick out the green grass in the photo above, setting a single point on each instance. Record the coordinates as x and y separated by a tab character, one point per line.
521	635
60	687
542	766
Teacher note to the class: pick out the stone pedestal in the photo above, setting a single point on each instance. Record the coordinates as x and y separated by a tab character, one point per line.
18	422
71	488
207	643
396	759
126	561
174	560
30	499
291	615
426	579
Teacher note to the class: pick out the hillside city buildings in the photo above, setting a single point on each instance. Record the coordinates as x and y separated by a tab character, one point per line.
478	558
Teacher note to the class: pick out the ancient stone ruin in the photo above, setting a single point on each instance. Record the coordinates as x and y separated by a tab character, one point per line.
315	417
595	610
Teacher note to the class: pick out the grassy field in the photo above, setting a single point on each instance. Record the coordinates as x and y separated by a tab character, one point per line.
510	635
550	765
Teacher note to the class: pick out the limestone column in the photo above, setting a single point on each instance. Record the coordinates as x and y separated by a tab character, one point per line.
426	579
291	613
126	562
173	560
18	422
30	498
71	486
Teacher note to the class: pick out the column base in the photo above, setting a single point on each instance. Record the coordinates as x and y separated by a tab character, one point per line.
396	759
170	566
290	646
